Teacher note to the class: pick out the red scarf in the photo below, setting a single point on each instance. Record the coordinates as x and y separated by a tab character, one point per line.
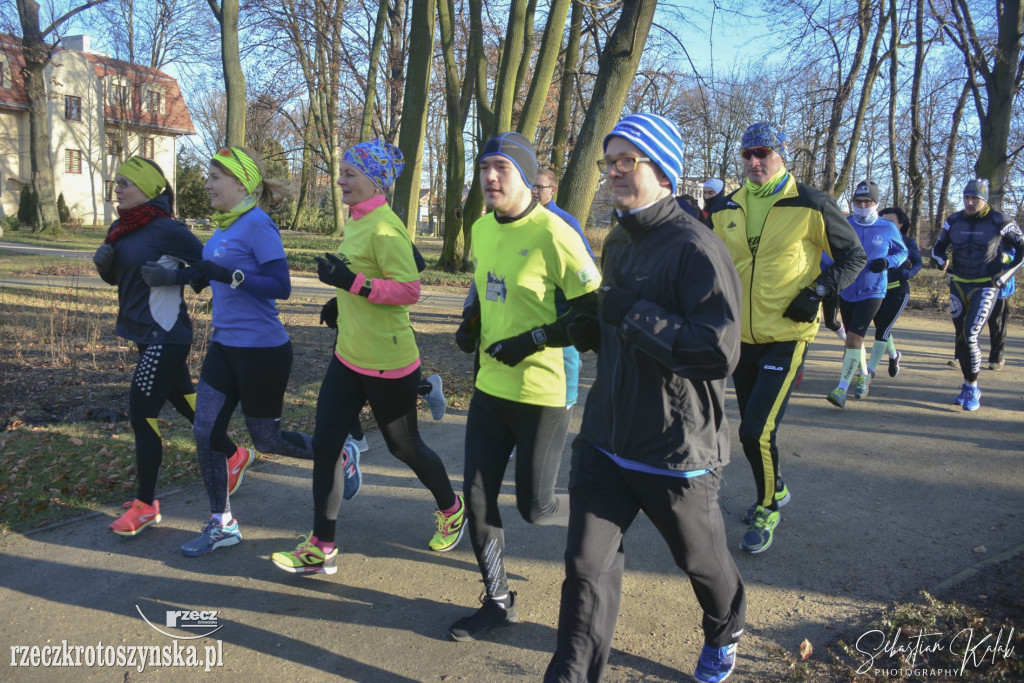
130	220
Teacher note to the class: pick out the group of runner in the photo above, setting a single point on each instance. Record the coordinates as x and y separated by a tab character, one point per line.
677	312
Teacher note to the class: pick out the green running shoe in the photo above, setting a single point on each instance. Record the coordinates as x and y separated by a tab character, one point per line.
837	397
860	386
449	529
307	558
759	535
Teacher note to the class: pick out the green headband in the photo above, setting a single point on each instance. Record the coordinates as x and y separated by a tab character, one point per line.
241	166
144	175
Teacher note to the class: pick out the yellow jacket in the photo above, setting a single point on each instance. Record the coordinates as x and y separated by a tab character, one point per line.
802	224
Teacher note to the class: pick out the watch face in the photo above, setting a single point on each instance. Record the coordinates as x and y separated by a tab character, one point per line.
539	337
820	290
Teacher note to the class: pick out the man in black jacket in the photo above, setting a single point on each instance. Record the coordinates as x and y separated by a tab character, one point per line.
654	434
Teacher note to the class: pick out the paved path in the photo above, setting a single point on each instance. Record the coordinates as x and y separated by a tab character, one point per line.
898	493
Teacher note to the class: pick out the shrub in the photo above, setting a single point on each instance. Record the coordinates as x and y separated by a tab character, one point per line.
63	212
28	206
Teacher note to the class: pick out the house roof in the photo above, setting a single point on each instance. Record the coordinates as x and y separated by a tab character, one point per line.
175	118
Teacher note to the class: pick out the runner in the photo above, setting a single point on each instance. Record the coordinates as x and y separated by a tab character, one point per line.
250	354
144	254
978	236
860	301
896	295
533	276
375	359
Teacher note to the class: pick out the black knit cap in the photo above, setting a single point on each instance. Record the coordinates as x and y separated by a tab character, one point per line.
517	149
866	188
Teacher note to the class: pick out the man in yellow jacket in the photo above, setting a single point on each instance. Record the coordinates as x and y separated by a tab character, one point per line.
776	230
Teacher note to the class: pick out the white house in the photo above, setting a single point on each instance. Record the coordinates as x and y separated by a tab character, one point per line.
99	112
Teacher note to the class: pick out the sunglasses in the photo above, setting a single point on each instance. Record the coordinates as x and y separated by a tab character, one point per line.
123	183
759	152
228	152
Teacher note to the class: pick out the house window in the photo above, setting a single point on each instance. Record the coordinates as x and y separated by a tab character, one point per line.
3	75
154	101
108	191
114	145
149	147
72	161
72	108
118	95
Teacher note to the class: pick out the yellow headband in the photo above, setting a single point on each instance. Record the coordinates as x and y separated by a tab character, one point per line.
241	166
144	175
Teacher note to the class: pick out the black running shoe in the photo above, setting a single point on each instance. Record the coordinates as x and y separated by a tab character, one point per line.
491	615
894	364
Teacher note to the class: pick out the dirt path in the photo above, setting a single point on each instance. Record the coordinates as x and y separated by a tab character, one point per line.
897	493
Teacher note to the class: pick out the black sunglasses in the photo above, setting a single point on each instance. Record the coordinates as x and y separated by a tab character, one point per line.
759	152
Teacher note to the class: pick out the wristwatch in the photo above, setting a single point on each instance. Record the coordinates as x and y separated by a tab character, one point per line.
237	278
540	337
821	290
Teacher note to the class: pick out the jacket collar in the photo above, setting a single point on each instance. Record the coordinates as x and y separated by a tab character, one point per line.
638	224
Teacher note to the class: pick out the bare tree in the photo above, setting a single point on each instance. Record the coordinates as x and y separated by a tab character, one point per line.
226	14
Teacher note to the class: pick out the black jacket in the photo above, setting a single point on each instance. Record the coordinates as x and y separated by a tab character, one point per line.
153	315
659	395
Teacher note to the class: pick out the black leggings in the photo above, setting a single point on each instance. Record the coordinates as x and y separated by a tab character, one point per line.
161	375
970	304
892	308
997	329
256	378
393	402
857	315
493	428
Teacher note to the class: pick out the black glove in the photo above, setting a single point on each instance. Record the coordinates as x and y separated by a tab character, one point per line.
804	308
208	271
333	271
585	333
155	275
421	265
104	258
329	313
615	304
878	265
513	350
468	334
936	265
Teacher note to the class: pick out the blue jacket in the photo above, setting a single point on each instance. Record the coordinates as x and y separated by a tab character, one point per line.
153	315
881	239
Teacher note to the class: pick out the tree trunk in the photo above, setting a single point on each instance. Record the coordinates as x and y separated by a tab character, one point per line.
914	174
551	44
396	68
455	169
617	67
570	69
366	128
894	67
414	112
947	166
304	174
234	77
505	87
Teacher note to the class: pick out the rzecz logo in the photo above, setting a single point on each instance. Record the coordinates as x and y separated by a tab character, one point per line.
205	621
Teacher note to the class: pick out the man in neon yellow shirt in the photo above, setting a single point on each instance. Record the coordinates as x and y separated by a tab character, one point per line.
533	277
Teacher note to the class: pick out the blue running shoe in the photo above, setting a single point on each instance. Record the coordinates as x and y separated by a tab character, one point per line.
213	536
964	388
350	467
972	398
715	663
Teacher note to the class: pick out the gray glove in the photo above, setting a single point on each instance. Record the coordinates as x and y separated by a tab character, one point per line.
156	275
104	258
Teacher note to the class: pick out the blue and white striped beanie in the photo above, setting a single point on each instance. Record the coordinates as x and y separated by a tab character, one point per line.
658	138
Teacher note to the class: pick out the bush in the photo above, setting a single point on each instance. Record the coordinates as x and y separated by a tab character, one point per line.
63	212
28	206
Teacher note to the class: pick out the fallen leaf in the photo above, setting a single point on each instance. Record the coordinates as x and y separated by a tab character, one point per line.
981	549
75	440
806	650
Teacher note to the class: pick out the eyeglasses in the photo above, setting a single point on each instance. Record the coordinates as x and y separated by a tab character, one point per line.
622	164
759	152
123	183
229	152
543	187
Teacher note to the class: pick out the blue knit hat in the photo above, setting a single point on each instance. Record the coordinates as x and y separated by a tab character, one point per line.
658	138
768	135
517	149
379	161
977	187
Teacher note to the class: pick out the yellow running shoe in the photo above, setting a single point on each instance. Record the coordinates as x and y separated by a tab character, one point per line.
450	528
